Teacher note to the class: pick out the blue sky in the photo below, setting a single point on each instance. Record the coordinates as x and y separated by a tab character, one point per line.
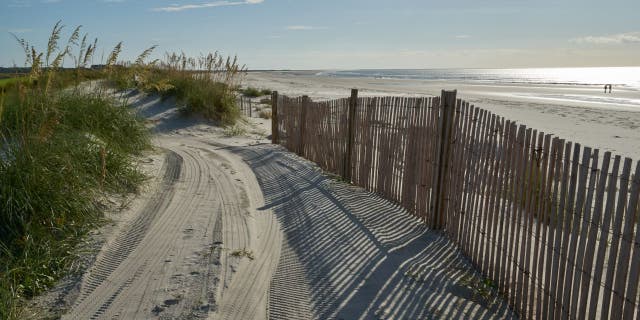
332	34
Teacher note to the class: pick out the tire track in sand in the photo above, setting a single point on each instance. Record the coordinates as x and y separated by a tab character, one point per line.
131	236
177	258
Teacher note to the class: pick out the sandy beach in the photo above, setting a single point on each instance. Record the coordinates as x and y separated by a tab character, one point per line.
582	114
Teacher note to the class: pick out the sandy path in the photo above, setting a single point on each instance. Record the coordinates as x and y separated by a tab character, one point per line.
193	247
231	229
348	254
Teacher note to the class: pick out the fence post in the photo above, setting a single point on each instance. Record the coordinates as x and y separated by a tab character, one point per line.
274	118
351	125
303	124
448	105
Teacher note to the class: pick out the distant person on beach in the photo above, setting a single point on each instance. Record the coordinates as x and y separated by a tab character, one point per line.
607	86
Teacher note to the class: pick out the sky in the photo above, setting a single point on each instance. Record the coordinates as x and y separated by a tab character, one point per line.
343	34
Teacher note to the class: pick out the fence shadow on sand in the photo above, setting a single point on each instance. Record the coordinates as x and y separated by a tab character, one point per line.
349	254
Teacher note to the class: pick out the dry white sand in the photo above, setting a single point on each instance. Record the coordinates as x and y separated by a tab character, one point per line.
237	228
194	243
582	114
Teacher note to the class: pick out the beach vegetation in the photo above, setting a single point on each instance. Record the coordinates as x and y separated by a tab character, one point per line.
243	253
203	85
265	114
255	92
234	130
64	148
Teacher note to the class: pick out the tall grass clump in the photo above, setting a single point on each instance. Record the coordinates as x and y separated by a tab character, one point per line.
255	92
62	149
204	84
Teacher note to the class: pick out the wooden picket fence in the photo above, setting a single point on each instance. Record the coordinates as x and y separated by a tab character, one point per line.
245	105
554	225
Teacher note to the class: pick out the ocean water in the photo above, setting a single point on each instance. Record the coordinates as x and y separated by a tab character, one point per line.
620	77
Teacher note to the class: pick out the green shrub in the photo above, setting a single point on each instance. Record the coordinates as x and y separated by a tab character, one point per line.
212	100
254	92
265	114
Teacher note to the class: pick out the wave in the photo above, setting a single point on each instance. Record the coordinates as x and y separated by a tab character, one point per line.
626	77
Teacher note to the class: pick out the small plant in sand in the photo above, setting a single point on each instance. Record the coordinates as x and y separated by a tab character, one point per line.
265	114
234	130
255	92
243	253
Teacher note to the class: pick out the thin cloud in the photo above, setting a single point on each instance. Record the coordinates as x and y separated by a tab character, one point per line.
463	36
20	30
176	8
19	4
298	28
620	38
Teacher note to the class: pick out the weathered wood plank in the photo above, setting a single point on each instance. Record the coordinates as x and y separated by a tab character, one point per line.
469	174
497	252
519	204
585	219
560	191
527	221
573	228
631	306
544	199
605	225
566	212
480	213
626	244
506	210
612	265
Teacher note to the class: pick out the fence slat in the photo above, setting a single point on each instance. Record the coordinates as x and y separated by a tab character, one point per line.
612	265
631	306
573	224
502	273
584	225
563	170
464	141
536	287
519	204
475	116
491	181
555	164
525	253
498	253
594	301
474	217
622	266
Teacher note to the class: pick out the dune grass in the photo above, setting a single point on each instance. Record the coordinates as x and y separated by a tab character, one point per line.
255	92
203	85
62	149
